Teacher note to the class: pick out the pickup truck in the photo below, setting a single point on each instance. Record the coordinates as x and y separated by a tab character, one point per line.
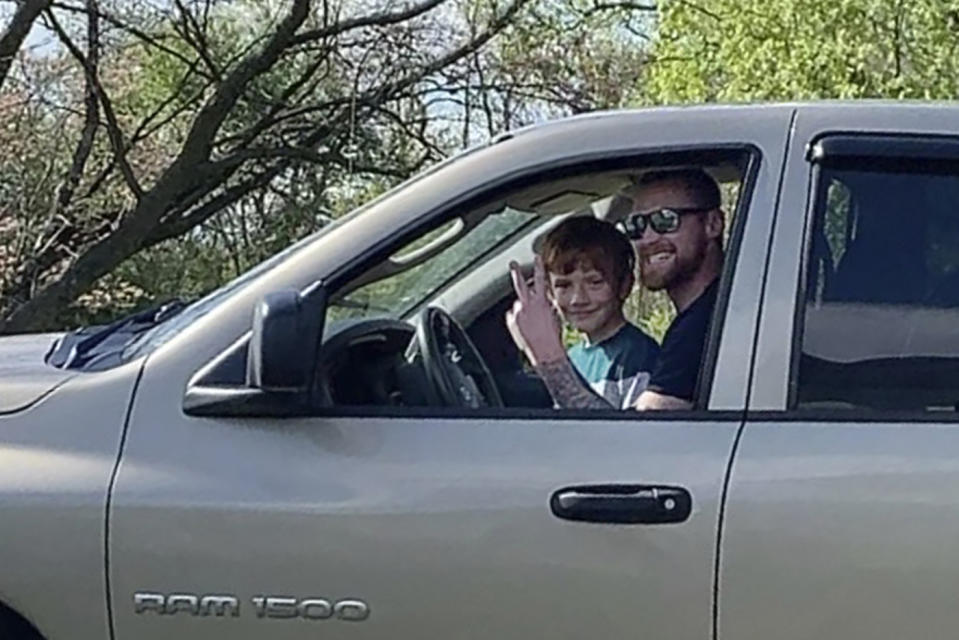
344	442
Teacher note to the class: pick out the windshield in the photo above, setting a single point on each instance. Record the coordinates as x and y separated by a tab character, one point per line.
398	294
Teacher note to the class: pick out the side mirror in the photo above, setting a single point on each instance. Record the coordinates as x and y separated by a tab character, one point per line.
287	329
275	378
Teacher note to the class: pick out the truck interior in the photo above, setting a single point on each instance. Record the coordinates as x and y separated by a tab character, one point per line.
881	320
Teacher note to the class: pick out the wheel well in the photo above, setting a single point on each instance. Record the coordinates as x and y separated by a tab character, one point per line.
13	626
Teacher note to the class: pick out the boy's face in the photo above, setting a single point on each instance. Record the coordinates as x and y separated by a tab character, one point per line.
587	300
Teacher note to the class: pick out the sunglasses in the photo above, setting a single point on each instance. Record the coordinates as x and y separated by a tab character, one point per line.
665	220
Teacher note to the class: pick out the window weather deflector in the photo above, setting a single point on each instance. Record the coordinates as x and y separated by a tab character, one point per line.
845	147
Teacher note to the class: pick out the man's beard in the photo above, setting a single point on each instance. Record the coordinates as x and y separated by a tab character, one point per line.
682	268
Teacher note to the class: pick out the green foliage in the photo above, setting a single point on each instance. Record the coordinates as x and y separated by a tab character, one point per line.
837	219
579	57
651	311
738	50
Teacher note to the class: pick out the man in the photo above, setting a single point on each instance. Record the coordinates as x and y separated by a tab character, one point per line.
589	267
677	229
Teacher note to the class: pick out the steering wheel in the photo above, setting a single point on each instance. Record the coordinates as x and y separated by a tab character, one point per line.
453	364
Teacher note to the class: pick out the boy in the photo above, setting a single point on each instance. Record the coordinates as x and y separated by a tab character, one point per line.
589	265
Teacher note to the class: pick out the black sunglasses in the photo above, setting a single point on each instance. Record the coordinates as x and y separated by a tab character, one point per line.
665	220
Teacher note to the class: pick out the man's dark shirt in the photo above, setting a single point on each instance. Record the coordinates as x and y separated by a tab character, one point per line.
684	345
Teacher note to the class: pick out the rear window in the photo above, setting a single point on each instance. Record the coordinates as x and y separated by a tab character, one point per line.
880	323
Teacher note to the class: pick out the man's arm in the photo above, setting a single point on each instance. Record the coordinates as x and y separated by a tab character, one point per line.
533	325
567	388
652	400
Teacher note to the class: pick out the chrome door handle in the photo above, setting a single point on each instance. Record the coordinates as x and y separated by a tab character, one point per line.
622	504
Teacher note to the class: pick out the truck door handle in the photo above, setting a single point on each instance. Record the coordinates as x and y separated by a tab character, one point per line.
622	504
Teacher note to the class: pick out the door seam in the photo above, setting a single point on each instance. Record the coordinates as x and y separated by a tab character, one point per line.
721	518
109	503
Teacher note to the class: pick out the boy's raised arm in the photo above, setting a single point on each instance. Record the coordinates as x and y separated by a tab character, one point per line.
535	329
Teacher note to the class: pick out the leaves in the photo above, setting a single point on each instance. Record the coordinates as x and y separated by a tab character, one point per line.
732	50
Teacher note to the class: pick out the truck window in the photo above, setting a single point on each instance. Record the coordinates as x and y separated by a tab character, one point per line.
461	266
880	321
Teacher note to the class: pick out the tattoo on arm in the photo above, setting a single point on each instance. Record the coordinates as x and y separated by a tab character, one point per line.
567	388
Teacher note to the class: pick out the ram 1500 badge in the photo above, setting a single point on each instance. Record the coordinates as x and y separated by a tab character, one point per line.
221	605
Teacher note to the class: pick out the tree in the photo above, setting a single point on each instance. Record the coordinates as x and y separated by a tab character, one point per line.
238	121
735	50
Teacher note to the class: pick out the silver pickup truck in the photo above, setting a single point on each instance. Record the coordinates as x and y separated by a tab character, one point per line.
344	442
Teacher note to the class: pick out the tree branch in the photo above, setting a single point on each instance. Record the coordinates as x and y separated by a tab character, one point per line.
144	129
140	34
193	34
199	142
381	19
182	224
194	187
269	119
114	133
16	32
92	118
379	95
629	6
701	9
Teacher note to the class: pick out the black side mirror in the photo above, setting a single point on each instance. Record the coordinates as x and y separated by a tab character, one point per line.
280	361
287	328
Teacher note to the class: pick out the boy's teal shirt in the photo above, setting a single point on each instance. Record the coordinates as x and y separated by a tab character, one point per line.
618	368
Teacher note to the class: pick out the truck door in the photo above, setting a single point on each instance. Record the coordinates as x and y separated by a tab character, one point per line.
843	508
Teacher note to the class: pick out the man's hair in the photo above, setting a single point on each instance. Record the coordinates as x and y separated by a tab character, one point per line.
588	241
697	183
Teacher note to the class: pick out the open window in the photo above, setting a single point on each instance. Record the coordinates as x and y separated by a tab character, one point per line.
419	322
460	264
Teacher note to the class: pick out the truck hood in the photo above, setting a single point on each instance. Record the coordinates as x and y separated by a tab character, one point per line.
24	376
